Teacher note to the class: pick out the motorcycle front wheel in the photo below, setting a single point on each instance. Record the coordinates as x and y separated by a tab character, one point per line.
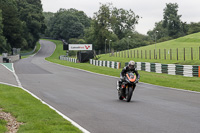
129	94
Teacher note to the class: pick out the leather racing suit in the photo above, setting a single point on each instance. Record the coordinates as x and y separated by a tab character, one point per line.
124	71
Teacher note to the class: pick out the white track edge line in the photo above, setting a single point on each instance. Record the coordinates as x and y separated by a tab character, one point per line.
64	116
16	77
173	88
8	84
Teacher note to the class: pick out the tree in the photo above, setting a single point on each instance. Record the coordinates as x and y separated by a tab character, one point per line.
131	41
101	26
171	20
159	32
68	24
12	29
3	46
194	27
112	24
48	16
123	21
170	27
71	27
31	14
83	18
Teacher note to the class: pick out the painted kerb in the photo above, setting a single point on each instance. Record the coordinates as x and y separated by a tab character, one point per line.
111	64
63	57
172	69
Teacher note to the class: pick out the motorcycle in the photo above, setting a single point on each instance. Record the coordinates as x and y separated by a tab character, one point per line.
127	87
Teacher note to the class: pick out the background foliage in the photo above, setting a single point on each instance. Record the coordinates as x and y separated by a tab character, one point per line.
21	23
113	28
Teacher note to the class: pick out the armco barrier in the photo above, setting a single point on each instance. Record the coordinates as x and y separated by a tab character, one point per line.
14	58
172	69
29	53
63	57
111	64
11	58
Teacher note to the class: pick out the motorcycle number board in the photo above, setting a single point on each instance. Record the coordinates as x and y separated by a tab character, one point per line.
80	46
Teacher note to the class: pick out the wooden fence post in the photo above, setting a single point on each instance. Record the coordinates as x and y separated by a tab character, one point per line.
191	53
145	54
165	54
159	54
170	54
149	54
131	53
199	53
184	53
124	54
177	53
128	53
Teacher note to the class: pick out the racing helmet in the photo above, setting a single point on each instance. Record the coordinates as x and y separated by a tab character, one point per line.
131	64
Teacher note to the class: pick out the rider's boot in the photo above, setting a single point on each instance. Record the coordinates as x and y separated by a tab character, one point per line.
119	83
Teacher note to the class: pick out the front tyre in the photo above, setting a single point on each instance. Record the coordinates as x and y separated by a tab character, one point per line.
129	94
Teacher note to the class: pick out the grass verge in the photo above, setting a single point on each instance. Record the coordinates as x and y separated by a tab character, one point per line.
3	128
174	81
142	54
174	51
37	117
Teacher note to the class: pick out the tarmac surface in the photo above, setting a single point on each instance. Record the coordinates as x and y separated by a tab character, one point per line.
91	100
6	74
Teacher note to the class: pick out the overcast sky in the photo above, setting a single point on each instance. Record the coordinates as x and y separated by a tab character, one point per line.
150	11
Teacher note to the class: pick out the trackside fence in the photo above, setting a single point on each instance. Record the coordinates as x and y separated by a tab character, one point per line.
172	69
111	64
63	57
188	53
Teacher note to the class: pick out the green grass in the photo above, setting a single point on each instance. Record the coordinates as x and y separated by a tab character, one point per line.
37	117
187	42
174	81
3	128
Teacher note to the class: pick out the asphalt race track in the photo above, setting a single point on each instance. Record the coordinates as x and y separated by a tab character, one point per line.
91	100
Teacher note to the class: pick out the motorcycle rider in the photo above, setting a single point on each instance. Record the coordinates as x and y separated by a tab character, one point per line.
128	68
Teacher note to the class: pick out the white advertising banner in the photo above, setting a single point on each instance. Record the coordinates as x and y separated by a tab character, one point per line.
80	46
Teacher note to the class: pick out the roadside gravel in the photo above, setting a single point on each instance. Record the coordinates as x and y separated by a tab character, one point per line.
12	124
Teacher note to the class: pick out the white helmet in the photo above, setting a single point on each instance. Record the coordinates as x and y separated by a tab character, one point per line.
131	64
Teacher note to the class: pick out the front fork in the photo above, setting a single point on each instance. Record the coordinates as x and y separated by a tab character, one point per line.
127	89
